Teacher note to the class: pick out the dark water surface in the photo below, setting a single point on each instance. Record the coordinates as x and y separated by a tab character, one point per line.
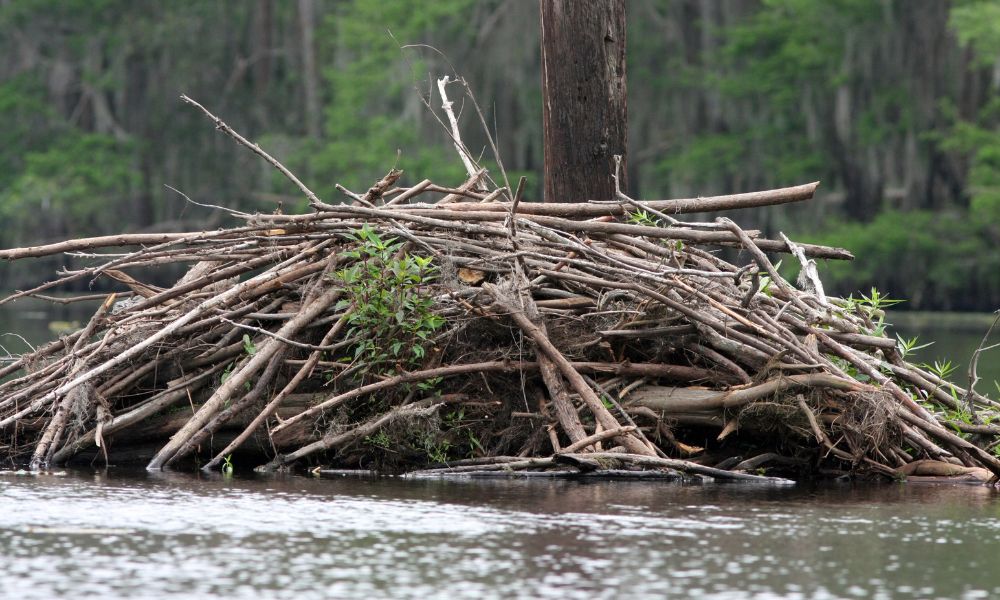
177	536
954	337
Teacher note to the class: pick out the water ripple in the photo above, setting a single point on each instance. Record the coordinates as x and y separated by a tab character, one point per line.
177	537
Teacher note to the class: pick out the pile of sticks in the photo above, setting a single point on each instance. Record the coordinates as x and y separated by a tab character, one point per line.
567	338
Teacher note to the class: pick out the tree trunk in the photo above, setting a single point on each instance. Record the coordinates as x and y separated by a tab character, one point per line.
583	97
260	45
310	76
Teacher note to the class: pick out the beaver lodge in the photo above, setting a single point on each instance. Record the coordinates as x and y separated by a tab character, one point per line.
441	330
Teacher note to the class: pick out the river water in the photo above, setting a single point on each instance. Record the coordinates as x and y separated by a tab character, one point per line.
83	534
136	535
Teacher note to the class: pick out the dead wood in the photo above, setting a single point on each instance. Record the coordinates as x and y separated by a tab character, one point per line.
405	330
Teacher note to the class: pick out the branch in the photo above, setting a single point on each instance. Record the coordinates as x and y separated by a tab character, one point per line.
456	135
220	125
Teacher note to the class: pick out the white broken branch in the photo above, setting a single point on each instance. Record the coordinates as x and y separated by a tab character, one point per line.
463	152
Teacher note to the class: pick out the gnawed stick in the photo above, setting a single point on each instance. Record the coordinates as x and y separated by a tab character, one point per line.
606	459
566	414
684	466
304	371
673	399
54	430
221	126
590	440
986	459
456	135
421	408
171	449
262	385
575	380
680	206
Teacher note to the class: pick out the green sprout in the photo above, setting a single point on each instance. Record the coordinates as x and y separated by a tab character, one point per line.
248	346
941	368
907	346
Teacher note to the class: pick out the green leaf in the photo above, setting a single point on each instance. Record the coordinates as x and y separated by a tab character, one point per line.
248	346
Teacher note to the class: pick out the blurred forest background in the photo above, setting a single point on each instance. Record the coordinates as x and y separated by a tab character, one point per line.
893	104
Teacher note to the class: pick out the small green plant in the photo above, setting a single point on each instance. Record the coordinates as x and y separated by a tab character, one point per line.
877	300
453	418
391	310
766	282
380	440
438	452
248	346
851	370
953	417
227	465
871	306
227	372
641	217
454	421
474	445
429	384
910	345
941	368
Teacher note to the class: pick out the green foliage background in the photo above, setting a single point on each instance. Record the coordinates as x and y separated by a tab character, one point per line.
892	104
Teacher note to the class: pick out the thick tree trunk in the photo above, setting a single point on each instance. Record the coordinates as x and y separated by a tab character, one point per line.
583	97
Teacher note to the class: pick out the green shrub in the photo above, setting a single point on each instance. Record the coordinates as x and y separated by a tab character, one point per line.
390	308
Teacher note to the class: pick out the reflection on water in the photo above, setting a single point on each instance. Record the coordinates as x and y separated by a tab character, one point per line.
175	536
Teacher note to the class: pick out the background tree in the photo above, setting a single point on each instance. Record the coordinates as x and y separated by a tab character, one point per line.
891	104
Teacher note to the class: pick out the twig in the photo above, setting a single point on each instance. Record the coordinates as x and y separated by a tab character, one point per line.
607	434
282	339
974	364
221	125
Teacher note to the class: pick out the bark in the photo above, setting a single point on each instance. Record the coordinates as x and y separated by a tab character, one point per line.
583	97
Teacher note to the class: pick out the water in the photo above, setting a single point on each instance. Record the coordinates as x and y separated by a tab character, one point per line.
176	536
28	323
955	337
